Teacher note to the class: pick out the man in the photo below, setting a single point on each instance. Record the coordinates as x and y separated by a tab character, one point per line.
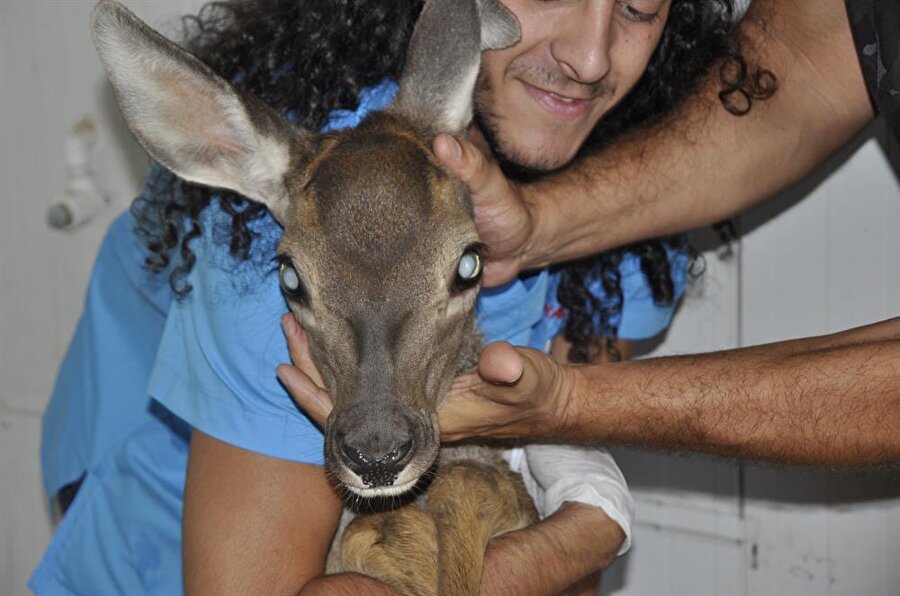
826	400
220	456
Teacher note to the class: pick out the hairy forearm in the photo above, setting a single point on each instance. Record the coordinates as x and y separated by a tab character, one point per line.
701	164
550	556
832	400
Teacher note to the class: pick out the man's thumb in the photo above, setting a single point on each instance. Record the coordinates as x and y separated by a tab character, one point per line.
501	364
465	161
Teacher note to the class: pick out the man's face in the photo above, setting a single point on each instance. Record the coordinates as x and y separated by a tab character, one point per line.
540	99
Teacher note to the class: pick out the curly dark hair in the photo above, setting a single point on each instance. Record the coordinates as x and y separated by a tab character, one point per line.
304	58
309	57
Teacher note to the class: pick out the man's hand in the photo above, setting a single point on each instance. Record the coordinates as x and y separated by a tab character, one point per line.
515	392
504	220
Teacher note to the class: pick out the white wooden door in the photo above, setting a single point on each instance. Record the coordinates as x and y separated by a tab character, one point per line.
826	263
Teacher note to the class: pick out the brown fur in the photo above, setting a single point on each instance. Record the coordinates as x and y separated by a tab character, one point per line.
437	547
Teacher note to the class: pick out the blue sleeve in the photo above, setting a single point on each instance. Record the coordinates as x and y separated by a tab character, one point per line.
642	317
221	344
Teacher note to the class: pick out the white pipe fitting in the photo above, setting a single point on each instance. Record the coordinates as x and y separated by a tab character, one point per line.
82	197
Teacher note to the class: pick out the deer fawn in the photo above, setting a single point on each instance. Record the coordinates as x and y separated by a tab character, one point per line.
379	261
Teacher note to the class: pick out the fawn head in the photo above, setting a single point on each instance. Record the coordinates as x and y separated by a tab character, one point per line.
379	259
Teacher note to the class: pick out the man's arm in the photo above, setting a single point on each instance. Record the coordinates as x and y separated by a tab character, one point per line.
254	524
550	556
832	400
698	165
579	539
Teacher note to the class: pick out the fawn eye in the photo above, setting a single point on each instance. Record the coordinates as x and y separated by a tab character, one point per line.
469	266
290	281
289	278
469	269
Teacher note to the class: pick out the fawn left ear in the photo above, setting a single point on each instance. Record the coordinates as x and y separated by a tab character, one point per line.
192	121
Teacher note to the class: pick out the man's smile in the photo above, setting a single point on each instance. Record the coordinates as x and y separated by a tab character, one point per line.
559	105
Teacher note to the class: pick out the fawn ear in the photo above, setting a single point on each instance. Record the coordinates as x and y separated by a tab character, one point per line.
189	119
443	60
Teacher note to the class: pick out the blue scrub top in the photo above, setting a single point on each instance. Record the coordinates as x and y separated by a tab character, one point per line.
143	369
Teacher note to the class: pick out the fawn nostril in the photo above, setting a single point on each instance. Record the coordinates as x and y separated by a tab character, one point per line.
355	458
397	455
380	470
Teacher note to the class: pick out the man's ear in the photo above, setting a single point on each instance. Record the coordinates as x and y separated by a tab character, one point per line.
189	119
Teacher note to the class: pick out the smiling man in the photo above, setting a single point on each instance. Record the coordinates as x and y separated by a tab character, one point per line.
538	101
190	467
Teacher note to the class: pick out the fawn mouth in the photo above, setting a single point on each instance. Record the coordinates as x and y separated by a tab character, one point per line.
383	491
389	484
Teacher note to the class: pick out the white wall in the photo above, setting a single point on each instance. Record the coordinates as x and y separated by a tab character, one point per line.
704	526
827	263
822	257
49	79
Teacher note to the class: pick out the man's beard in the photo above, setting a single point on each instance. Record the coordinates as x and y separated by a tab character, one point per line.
516	165
512	169
513	166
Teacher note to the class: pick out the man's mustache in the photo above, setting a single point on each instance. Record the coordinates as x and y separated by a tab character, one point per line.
555	82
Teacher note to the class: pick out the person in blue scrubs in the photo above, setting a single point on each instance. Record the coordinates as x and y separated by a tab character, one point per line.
147	369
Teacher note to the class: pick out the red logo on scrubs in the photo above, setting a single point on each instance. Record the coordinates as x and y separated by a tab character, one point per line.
554	312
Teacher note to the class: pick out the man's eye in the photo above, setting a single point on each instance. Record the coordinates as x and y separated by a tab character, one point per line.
636	15
290	282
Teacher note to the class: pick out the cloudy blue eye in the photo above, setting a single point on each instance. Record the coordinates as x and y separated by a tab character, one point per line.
290	281
469	266
468	270
289	278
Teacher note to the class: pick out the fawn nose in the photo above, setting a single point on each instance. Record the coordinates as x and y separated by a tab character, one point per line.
376	467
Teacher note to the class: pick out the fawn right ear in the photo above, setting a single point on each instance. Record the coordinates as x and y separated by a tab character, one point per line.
189	119
443	58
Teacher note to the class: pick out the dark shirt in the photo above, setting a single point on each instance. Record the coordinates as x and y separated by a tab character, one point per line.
876	32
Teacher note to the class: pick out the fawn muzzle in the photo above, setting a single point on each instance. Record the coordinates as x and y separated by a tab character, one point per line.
380	448
376	470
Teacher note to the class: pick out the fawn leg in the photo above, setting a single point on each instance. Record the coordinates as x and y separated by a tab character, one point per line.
471	503
397	547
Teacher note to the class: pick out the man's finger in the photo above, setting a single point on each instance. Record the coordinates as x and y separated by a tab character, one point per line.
311	398
501	364
483	177
291	329
298	346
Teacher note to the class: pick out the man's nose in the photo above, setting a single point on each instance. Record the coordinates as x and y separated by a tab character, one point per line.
581	47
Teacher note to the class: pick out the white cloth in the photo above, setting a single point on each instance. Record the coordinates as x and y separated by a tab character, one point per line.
554	474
